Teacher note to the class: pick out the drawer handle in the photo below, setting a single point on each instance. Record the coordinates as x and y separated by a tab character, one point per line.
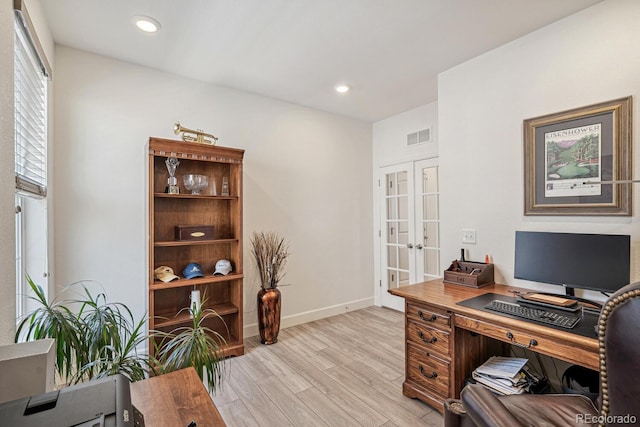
432	375
428	319
428	341
532	342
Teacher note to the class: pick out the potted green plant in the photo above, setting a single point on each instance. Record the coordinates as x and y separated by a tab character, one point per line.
100	339
270	251
195	345
112	338
96	338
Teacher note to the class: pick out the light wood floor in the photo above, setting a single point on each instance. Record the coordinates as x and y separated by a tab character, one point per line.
345	370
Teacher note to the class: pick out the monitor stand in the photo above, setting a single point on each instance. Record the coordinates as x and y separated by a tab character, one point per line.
570	293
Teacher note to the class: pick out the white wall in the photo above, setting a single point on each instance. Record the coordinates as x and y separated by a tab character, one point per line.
589	57
307	174
390	136
389	144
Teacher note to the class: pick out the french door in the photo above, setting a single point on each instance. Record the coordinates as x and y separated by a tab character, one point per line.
410	225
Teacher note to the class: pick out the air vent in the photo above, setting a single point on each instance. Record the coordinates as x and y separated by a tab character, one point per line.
419	137
424	135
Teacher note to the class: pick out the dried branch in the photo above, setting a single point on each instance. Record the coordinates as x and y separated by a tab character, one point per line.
270	251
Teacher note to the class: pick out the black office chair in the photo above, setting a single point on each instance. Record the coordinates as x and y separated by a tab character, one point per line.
619	342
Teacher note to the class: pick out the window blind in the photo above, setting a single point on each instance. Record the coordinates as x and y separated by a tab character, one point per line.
30	115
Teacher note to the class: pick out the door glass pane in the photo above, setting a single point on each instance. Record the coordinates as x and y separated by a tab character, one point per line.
403	232
404	257
392	279
392	257
432	262
402	183
404	278
430	180
403	207
430	207
392	208
392	232
431	234
391	184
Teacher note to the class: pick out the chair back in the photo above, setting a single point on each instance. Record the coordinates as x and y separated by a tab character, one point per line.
619	340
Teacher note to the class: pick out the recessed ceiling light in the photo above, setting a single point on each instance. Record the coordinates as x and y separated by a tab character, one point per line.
147	24
342	88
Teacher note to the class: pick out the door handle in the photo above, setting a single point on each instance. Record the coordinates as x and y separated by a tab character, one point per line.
418	246
410	245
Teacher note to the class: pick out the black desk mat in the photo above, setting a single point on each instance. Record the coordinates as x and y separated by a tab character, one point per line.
585	327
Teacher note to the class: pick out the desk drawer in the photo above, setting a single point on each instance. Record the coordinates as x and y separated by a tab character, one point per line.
428	371
431	338
429	315
577	352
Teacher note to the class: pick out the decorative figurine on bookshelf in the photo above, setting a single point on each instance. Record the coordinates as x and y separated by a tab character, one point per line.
172	182
195	302
194	135
225	186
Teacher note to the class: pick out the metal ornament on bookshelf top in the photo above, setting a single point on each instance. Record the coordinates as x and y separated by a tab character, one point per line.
197	135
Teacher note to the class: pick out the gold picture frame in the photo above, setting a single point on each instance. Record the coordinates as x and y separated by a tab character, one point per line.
565	152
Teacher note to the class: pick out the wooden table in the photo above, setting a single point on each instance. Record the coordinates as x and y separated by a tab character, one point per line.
174	400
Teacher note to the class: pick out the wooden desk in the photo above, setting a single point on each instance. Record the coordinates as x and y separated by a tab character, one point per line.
174	399
445	342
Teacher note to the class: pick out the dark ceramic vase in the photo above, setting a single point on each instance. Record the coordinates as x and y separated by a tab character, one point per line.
269	315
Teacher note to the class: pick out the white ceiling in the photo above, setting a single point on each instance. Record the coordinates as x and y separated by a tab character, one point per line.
388	51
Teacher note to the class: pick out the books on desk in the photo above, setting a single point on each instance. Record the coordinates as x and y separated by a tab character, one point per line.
506	375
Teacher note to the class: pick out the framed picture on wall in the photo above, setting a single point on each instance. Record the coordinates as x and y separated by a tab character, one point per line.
566	153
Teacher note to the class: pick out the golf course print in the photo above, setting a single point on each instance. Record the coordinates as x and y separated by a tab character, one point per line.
573	158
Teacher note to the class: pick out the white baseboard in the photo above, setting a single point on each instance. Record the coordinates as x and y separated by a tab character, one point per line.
251	330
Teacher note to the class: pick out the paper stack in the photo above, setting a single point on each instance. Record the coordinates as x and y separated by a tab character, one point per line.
505	375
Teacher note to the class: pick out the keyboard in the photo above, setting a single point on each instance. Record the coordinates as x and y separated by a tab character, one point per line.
530	313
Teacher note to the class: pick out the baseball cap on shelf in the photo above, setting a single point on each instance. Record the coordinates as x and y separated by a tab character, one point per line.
192	270
223	267
165	274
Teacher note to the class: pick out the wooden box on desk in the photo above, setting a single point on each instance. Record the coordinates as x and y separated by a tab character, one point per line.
467	273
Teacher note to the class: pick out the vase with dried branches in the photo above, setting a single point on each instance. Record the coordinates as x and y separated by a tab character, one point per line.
270	251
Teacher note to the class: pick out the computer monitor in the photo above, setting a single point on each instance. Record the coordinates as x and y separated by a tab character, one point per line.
598	262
